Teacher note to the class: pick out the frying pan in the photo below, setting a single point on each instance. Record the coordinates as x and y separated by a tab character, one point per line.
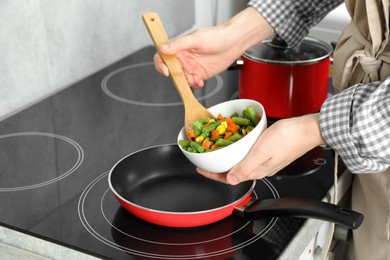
159	185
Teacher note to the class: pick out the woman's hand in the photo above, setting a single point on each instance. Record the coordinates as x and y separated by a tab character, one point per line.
202	54
207	52
278	146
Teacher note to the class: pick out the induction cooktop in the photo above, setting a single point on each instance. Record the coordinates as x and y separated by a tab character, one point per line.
55	157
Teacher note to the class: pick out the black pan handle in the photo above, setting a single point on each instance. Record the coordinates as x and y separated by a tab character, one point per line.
297	207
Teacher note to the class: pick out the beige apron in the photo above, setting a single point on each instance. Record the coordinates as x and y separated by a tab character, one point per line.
363	55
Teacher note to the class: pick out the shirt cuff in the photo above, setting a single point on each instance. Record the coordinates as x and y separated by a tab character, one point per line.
337	128
283	18
292	20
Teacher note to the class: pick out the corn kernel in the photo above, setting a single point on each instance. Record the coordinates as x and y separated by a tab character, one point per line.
222	128
200	138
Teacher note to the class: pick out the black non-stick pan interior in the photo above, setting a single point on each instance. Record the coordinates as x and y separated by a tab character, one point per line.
161	178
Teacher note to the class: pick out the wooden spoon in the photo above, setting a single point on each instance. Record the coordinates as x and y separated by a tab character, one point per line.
193	110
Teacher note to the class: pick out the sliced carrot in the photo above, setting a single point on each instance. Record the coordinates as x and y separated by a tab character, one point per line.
191	134
232	127
220	117
227	135
214	146
214	135
206	144
229	120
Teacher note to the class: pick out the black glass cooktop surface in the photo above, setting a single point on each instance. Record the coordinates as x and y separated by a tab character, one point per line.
55	157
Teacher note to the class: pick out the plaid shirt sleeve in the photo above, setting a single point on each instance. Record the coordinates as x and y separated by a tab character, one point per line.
356	123
292	19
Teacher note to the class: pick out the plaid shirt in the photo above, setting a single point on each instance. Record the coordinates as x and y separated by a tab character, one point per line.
292	19
355	122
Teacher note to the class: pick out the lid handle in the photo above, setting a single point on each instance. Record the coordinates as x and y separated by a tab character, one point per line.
278	42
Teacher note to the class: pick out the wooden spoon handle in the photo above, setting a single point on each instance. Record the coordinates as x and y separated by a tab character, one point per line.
157	33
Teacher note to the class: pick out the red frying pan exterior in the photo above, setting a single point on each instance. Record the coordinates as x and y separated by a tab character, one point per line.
159	185
183	220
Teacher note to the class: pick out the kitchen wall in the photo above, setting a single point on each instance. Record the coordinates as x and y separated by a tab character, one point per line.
215	12
330	28
46	45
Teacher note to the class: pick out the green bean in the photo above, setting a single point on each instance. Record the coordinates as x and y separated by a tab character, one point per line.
223	142
235	137
249	128
191	150
207	129
198	127
197	147
212	149
241	121
206	120
250	113
184	143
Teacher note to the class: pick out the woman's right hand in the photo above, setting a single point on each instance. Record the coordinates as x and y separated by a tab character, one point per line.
207	52
202	54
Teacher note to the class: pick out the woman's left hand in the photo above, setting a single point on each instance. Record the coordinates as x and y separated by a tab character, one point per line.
278	146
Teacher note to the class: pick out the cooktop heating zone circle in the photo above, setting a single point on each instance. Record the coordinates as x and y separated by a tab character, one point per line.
139	84
40	154
121	230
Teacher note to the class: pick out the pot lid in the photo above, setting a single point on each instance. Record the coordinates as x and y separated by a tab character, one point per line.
276	51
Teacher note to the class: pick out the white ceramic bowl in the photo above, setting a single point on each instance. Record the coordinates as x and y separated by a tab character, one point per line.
222	160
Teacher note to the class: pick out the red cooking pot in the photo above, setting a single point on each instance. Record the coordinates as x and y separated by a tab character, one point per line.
287	82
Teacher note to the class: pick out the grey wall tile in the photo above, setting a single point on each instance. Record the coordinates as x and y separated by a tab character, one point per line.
49	45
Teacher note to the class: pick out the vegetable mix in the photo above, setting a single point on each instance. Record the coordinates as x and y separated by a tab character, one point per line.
210	134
